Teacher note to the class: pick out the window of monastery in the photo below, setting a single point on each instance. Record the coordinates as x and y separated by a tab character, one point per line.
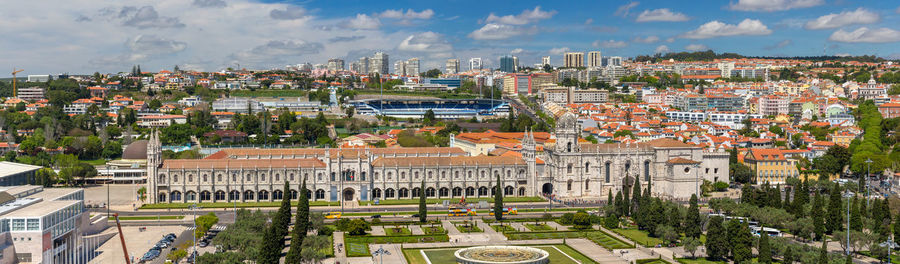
456	175
262	177
430	175
175	178
607	168
162	178
687	169
219	177
416	175
277	177
190	178
376	176
587	184
569	185
403	175
233	177
205	178
569	168
587	167
320	176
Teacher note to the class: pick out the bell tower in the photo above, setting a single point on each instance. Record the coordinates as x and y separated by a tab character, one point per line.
154	161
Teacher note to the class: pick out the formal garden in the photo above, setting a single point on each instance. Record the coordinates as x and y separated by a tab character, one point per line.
559	254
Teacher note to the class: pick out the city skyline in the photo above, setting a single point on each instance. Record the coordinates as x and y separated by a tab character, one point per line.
81	37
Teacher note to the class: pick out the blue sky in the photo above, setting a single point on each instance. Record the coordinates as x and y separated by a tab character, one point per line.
83	36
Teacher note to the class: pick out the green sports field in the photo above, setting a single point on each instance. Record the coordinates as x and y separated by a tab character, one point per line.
559	254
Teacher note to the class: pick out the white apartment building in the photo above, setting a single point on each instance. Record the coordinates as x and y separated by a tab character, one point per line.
452	66
594	59
475	64
574	59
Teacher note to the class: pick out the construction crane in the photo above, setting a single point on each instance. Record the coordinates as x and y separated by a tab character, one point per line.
122	238
14	80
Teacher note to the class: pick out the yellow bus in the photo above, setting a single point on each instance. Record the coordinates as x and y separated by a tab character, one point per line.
333	215
507	211
461	212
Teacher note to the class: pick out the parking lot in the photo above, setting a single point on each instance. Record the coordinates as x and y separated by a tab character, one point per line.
137	242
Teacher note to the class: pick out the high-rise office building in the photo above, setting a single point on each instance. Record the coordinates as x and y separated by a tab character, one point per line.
515	63
508	64
400	68
545	60
379	63
363	65
594	59
574	59
412	67
615	61
475	64
452	66
335	64
354	66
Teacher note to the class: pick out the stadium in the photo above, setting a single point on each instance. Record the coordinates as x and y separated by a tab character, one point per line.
443	108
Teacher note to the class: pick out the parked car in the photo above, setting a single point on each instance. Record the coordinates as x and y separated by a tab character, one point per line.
376	216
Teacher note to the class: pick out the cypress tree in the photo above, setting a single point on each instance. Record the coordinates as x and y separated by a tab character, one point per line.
620	211
692	219
498	200
284	212
636	200
675	218
747	194
301	226
743	241
626	199
897	227
864	210
776	197
823	253
788	256
855	218
817	217
609	198
269	252
834	219
423	210
765	251
716	239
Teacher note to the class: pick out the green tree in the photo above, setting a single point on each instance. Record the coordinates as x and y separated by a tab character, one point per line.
741	241
423	210
817	216
636	197
269	251
429	117
855	217
765	250
690	245
45	177
581	221
788	255
692	219
498	200
358	227
834	219
313	249
301	226
142	193
204	223
823	253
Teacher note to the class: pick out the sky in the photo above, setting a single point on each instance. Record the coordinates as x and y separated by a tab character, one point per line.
84	36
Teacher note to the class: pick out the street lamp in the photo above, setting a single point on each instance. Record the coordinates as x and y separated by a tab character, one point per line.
380	253
194	231
868	167
848	194
107	188
890	245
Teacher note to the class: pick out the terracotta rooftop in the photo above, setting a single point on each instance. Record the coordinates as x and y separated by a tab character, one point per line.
233	164
448	161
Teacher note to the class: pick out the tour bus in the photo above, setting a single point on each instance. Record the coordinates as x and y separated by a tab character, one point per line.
772	232
461	212
333	215
507	211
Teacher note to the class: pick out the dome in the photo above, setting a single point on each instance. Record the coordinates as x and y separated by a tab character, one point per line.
568	120
137	150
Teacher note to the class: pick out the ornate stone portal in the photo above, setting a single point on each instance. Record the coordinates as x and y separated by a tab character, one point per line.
502	255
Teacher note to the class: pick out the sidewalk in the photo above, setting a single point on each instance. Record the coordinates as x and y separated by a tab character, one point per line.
594	251
340	253
649	252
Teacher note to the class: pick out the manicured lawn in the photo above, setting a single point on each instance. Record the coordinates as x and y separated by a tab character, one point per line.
162	217
607	241
652	261
503	228
357	246
468	228
559	254
230	205
454	200
543	235
395	231
638	236
95	162
430	230
698	261
539	227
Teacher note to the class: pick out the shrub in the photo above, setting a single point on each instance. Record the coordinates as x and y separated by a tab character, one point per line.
325	231
582	220
567	218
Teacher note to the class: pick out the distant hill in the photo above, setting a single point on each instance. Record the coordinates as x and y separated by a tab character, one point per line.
711	55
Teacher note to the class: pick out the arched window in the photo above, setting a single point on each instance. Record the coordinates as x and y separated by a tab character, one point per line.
332	176
521	191
162	178
470	191
234	177
277	177
606	172
262	177
403	193
647	170
320	194
456	175
444	192
294	194
416	175
509	191
176	196
376	193
190	178
457	192
416	192
248	195
443	175
277	195
190	196
205	195
587	184
161	197
569	185
389	193
587	167
482	191
219	177
291	177
175	180
220	195
403	175
430	175
627	168
205	178
263	195
429	192
569	168
234	195
569	147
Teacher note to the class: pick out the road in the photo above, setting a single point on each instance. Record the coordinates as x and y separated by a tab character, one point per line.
522	108
184	237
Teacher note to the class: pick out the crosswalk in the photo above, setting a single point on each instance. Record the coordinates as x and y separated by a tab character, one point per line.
215	227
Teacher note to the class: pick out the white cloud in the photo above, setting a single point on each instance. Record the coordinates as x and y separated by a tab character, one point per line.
696	47
648	39
210	3
410	14
773	5
866	35
610	44
623	9
842	54
661	49
141	48
500	31
288	13
780	44
426	42
748	27
558	51
589	21
517	51
362	21
670	40
662	14
140	17
830	21
526	17
277	51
